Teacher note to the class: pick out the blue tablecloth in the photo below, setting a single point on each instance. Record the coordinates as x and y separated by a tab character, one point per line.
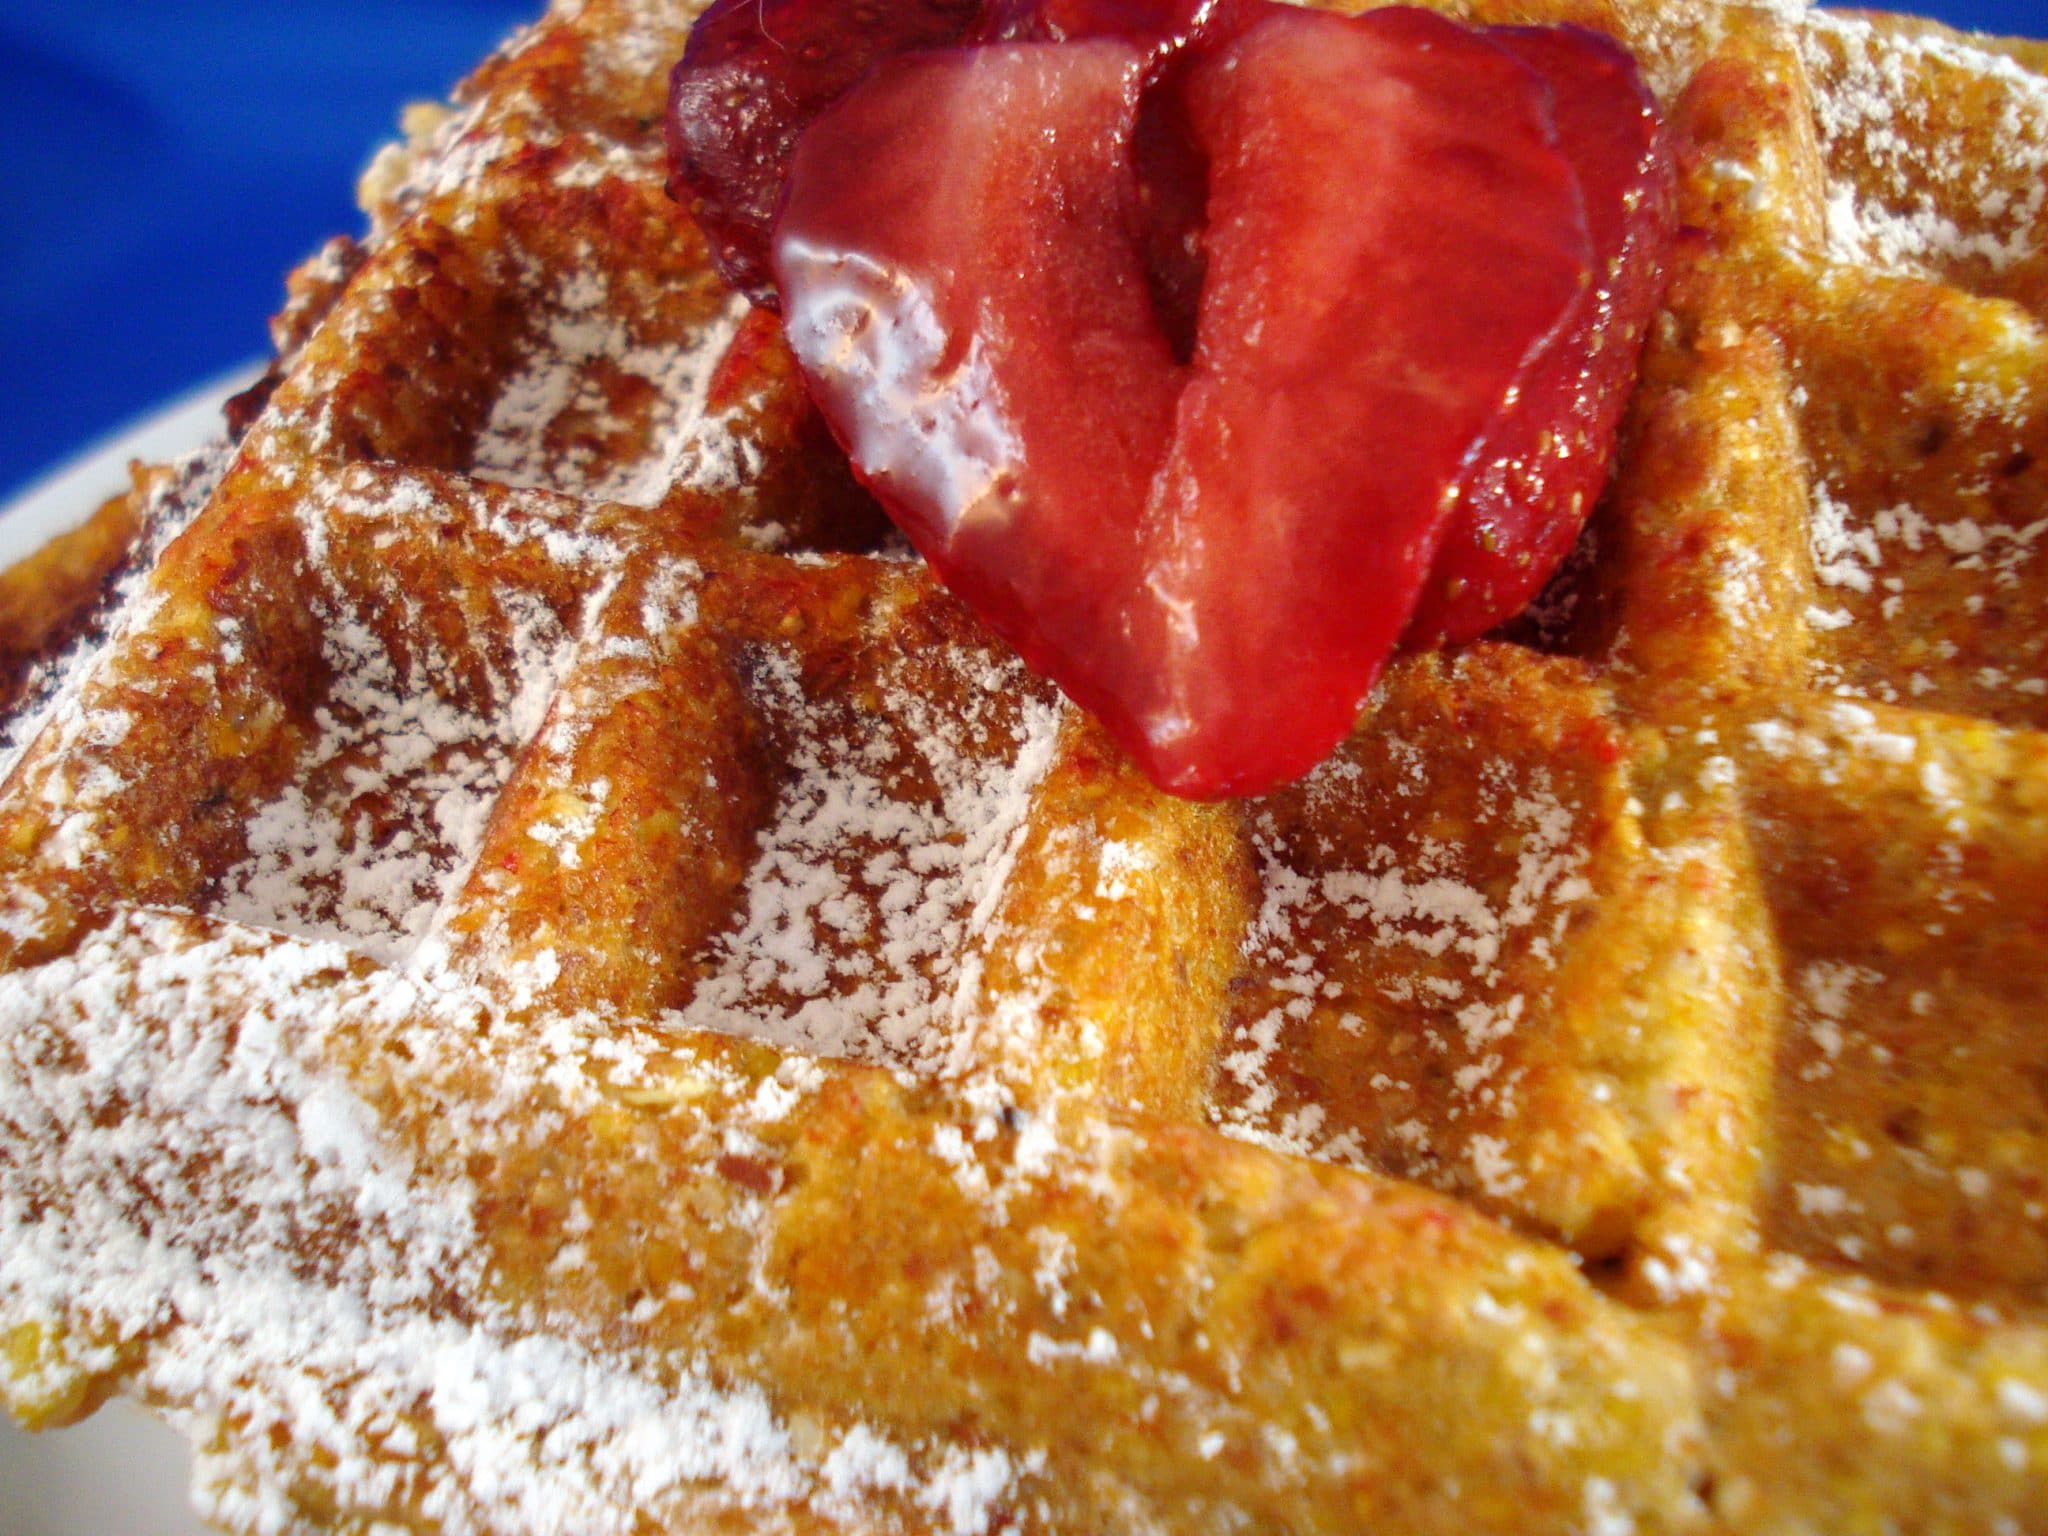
167	162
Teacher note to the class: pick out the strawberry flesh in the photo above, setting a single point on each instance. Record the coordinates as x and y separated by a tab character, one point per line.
1173	175
756	73
1159	27
1217	555
1006	415
1367	307
753	75
1540	468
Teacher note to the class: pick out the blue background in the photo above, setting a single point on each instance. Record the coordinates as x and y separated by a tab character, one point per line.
165	162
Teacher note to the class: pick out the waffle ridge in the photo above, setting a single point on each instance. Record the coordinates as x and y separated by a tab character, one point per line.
552	980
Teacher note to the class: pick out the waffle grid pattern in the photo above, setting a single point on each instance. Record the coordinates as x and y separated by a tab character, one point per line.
554	981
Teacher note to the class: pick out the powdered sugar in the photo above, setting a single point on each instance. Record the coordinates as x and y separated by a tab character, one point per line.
405	763
321	861
204	1176
1468	945
587	386
857	908
1922	202
1851	552
171	503
1877	568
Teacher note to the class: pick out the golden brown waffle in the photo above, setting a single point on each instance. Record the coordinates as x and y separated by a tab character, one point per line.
554	983
47	598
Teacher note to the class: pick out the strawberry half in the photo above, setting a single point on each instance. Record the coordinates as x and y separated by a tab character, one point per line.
1173	177
756	73
1539	470
753	75
1008	415
1216	556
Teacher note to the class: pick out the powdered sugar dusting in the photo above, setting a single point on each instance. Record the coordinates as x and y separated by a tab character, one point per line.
1924	203
408	753
392	806
588	386
1851	553
858	906
202	1177
171	503
1444	953
1901	572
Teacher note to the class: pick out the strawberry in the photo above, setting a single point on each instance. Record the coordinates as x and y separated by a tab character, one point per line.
1007	415
753	74
1172	175
1159	27
1215	554
1540	468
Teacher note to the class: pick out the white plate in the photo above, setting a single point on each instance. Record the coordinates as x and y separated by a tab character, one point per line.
70	493
120	1473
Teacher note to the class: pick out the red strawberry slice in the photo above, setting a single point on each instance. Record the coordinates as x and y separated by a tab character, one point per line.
1157	26
1173	177
1007	414
753	75
1540	469
1217	557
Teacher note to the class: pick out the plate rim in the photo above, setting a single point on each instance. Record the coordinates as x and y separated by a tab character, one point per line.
66	494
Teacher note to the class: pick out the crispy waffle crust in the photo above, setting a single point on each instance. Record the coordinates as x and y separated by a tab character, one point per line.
555	983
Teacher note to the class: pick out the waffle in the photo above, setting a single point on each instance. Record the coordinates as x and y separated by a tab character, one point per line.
555	982
46	599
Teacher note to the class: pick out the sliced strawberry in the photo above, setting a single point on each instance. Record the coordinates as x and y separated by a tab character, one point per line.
753	75
1369	304
1216	558
1538	472
1157	26
974	320
756	73
1173	176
